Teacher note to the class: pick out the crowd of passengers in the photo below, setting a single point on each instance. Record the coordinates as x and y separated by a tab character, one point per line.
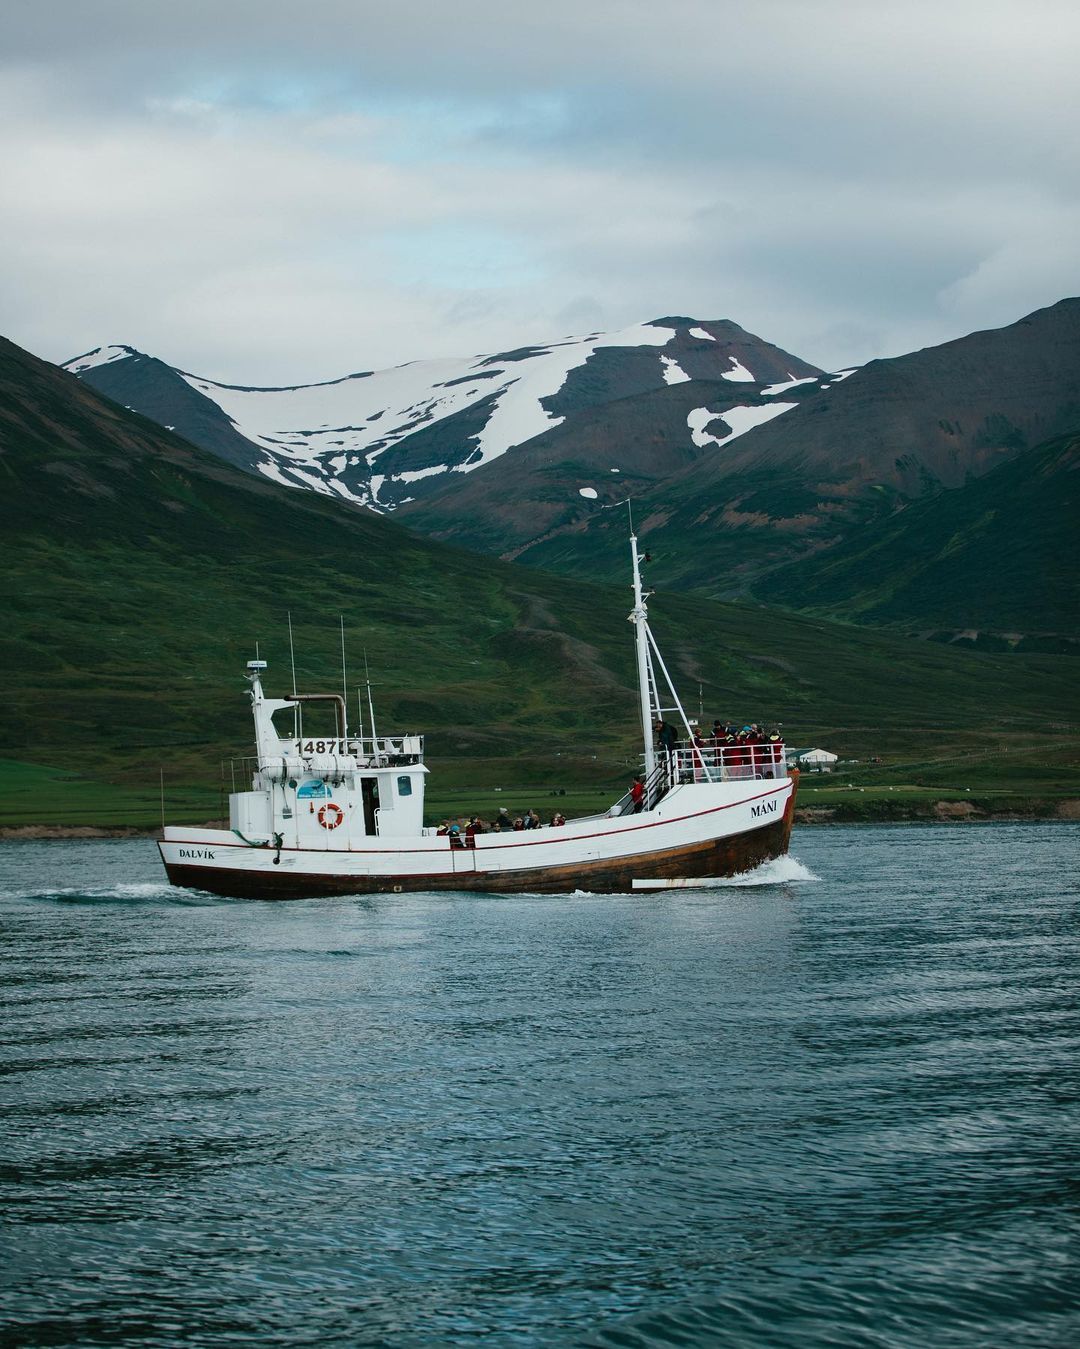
748	750
467	828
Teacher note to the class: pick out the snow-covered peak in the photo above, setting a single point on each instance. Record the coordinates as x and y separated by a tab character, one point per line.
99	356
383	436
355	422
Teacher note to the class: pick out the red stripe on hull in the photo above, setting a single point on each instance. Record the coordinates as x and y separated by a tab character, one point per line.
717	857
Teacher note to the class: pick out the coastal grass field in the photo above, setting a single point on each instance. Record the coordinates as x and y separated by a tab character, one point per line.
1037	781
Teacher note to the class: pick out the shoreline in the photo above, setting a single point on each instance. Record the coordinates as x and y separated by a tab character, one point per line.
866	812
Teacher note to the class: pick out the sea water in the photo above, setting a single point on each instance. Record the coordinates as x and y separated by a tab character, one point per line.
833	1103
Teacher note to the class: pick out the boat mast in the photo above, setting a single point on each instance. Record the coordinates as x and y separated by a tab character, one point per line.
640	620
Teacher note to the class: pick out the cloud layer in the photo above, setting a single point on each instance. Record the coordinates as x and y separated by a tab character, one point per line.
263	192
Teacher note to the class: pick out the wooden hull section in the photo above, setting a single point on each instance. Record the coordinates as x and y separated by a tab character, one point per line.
720	857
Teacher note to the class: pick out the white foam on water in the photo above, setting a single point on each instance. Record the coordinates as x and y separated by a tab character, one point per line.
786	870
128	890
780	871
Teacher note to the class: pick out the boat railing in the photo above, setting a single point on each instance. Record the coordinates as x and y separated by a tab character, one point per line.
369	752
656	786
377	751
726	763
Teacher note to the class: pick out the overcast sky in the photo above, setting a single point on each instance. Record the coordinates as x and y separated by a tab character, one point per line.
272	192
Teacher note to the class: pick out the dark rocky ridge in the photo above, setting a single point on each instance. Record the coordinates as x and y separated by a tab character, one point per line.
148	386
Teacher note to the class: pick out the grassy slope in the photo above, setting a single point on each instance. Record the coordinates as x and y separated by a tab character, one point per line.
140	573
1004	551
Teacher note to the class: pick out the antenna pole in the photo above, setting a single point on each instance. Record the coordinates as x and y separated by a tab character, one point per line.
640	619
298	715
344	680
371	705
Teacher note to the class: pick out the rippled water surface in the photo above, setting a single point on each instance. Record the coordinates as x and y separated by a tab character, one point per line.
835	1106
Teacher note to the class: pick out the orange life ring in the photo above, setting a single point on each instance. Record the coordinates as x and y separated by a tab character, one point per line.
331	815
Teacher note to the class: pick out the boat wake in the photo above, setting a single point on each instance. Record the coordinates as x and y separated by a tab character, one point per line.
104	894
779	871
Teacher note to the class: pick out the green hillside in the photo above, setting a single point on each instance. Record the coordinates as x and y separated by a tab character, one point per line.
140	572
1003	551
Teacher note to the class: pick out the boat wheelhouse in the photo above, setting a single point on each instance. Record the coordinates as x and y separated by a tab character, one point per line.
344	814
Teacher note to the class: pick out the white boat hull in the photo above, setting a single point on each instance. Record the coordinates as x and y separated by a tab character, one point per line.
697	830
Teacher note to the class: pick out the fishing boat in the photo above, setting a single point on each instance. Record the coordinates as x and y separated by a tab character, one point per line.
343	814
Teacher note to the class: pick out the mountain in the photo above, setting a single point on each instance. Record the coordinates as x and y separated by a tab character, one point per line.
740	459
140	571
851	454
381	438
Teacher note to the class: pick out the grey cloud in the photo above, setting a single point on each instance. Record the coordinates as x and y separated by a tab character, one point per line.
223	183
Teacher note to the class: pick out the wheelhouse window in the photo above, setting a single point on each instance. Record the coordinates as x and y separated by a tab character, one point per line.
404	786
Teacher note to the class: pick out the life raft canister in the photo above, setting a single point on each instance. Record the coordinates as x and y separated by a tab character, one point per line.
331	815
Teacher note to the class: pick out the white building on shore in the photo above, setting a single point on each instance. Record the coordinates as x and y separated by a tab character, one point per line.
817	760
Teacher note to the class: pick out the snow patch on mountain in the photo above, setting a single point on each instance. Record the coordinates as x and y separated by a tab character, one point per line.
589	492
738	373
790	383
700	332
673	371
739	419
519	416
419	473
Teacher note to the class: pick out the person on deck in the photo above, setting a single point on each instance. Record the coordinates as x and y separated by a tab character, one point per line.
503	820
666	739
759	755
637	794
776	741
557	819
703	755
666	736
